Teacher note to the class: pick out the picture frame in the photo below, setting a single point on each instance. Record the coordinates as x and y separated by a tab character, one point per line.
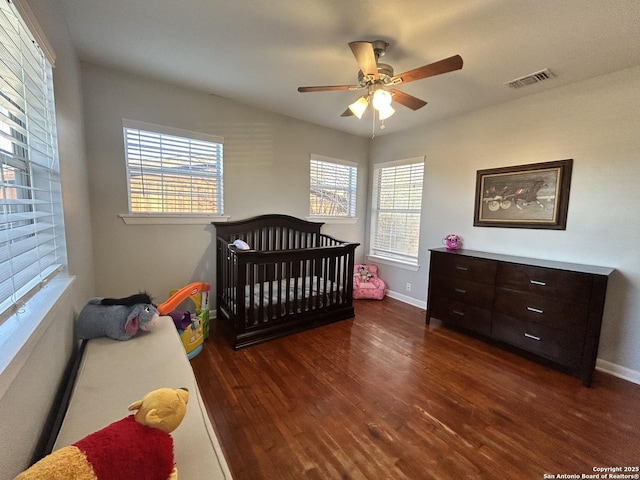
524	196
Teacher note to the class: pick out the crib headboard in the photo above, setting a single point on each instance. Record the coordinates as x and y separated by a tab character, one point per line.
272	232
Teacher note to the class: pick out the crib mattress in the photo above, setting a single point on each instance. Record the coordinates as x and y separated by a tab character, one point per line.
301	289
292	295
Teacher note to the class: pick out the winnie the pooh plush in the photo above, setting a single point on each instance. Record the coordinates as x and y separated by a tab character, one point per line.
137	447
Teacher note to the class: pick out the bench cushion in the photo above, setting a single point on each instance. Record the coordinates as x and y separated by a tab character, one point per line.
113	374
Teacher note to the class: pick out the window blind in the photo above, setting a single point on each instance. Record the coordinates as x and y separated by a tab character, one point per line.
32	242
333	187
173	171
397	203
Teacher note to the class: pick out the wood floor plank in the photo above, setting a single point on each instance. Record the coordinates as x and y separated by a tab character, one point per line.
383	396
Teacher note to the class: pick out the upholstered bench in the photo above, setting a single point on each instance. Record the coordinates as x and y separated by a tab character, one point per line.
113	374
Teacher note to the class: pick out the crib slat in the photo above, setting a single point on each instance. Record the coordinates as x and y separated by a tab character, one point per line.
326	297
318	281
303	289
267	287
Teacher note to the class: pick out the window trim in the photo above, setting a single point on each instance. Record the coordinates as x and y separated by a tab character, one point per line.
354	192
169	218
332	220
35	29
179	132
397	262
30	323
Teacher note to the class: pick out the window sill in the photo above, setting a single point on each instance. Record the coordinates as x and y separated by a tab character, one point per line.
393	263
336	220
171	219
21	332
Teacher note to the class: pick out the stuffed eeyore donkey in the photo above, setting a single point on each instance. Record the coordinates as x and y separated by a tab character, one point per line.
117	318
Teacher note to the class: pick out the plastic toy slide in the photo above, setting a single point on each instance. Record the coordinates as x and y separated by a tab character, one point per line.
194	334
185	292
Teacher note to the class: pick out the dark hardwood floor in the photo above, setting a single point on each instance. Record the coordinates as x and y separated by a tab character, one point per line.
383	396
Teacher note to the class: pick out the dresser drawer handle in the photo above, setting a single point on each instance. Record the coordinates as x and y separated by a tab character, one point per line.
532	337
535	310
460	290
464	269
537	282
459	313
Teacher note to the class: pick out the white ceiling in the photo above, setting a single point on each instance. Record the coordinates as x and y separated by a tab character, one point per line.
259	52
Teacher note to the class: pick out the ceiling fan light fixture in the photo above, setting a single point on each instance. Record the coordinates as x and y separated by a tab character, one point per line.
381	99
379	81
385	112
359	106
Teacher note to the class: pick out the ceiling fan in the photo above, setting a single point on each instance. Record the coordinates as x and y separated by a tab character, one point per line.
378	80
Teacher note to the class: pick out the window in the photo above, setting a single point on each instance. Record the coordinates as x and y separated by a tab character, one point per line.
32	241
333	187
173	171
397	201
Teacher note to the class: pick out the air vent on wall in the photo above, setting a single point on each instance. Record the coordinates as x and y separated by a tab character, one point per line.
531	78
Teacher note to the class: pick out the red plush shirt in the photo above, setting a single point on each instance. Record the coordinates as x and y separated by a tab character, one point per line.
126	450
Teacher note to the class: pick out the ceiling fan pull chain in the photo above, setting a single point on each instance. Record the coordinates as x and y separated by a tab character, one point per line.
373	123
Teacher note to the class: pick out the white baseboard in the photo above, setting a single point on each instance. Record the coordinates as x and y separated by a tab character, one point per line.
618	371
406	299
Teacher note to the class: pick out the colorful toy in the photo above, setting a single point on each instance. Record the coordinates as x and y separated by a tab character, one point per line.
117	318
194	332
138	446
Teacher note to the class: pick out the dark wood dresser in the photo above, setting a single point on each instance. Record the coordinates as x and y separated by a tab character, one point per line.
550	310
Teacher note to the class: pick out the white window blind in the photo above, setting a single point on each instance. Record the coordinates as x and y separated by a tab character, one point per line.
32	241
397	202
173	171
333	187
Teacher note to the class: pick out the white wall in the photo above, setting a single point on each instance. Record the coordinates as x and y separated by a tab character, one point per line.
25	405
596	123
266	170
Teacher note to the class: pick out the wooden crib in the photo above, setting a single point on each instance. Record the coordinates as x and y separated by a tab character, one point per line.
291	277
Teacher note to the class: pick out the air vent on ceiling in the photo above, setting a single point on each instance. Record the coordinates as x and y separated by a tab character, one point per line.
530	79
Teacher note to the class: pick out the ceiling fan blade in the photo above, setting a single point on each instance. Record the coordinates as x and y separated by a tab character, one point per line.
347	113
443	66
327	88
407	100
363	51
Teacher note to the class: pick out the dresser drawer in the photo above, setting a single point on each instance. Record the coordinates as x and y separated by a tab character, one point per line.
548	282
462	314
453	288
560	346
548	311
465	268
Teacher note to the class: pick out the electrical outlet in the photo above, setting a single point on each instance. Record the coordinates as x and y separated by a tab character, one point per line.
408	287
